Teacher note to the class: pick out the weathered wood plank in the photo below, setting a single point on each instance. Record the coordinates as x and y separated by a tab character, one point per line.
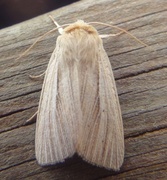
140	76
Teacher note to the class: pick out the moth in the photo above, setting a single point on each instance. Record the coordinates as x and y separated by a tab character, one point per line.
79	110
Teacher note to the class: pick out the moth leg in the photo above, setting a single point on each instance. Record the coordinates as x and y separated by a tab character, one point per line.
60	29
32	119
110	35
38	76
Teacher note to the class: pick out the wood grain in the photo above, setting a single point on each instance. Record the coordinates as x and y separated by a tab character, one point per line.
141	78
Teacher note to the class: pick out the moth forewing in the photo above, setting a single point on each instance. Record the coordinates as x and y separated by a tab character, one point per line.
79	109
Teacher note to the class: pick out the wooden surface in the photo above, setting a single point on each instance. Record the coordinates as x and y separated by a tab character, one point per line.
141	78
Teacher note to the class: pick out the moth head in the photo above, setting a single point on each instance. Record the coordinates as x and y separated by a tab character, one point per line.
80	25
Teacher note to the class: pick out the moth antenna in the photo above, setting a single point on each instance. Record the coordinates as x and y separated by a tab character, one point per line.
125	31
41	37
60	29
